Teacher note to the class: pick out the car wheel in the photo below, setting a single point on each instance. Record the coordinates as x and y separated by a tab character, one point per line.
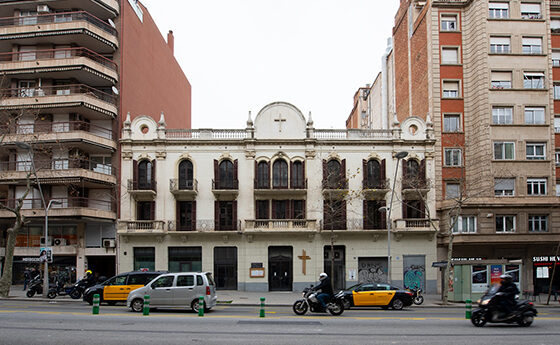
137	305
194	305
397	304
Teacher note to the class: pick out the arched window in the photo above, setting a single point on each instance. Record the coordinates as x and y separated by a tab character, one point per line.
280	174
298	175
185	175
226	175
145	174
412	169
334	174
263	175
373	174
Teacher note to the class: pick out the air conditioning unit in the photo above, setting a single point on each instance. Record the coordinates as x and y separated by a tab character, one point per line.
48	242
108	243
59	242
43	9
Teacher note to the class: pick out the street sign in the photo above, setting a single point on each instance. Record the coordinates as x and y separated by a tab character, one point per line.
439	264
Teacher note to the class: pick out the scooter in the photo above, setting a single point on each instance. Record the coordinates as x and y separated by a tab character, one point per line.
310	302
523	314
417	298
35	286
74	291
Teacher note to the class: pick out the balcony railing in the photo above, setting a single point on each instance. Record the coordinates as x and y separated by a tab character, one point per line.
183	185
205	134
281	224
416	224
56	54
58	164
296	184
352	134
57	18
377	184
145	225
225	184
58	127
136	185
69	202
59	90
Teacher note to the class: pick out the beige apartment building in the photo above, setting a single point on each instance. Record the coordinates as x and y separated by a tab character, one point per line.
485	73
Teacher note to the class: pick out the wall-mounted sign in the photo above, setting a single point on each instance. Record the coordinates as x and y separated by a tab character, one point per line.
256	272
257	265
545	258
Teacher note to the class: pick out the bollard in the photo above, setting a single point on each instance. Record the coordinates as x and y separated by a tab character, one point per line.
95	310
146	310
201	306
261	314
468	312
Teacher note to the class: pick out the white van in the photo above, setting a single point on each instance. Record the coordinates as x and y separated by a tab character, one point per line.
176	290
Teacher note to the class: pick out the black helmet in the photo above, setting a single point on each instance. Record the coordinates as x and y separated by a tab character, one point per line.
506	278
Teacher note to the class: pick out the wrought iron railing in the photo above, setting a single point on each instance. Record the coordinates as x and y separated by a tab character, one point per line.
58	164
55	54
136	185
183	185
58	127
58	90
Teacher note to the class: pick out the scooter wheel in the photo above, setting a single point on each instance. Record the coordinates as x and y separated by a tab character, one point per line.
300	307
525	320
478	320
418	300
76	294
30	293
51	295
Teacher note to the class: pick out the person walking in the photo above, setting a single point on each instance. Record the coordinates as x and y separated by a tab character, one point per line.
26	278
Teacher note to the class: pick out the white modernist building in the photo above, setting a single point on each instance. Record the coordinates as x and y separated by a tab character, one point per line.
269	207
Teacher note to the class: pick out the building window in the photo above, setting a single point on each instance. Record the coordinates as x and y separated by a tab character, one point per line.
557	189
532	45
298	175
500	45
504	187
374	218
498	10
505	223
263	175
298	209
414	209
556	92
533	80
226	215
534	115
464	225
556	56
186	219
452	157
226	175
145	178
280	174
186	180
451	123
262	209
374	177
449	22
502	115
504	150
530	11
536	186
334	214
501	80
280	209
450	55
145	210
557	125
144	257
450	89
536	151
334	174
538	223
557	158
452	190
555	25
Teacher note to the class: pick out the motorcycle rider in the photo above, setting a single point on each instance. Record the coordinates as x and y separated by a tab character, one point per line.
88	278
508	290
326	289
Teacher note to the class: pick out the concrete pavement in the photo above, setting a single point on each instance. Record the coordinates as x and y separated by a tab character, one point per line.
251	298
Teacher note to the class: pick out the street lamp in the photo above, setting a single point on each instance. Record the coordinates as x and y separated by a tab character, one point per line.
398	156
28	148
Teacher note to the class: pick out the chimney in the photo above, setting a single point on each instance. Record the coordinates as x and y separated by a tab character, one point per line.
171	41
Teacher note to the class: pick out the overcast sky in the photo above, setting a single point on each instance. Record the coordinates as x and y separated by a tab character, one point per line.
240	55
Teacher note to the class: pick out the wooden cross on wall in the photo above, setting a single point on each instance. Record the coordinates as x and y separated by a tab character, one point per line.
280	120
304	259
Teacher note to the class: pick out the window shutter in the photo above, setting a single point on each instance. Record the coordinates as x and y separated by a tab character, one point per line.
256	177
422	176
216	174
343	174
178	216
234	213
405	209
365	173
152	210
153	181
326	216
257	209
235	179
216	214
383	215
273	215
383	174
290	209
291	175
304	210
193	225
134	173
303	175
325	173
422	209
404	170
366	223
343	220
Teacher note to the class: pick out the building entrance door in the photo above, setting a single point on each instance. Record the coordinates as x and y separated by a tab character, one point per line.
339	278
225	268
280	263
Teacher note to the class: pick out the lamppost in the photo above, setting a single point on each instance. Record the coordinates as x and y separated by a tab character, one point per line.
28	148
399	155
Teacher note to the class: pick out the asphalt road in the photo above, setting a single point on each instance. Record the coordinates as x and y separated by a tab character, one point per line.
73	323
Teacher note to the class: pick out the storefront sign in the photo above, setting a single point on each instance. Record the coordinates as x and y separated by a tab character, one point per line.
31	259
546	258
256	272
542	272
439	264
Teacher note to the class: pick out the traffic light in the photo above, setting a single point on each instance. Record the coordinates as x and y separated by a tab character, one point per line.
49	255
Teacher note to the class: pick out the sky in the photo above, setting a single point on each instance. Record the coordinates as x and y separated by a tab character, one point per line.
240	55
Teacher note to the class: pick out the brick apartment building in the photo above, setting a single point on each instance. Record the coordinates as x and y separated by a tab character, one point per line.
487	74
70	70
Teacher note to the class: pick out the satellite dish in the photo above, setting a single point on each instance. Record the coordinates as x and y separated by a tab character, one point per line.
115	90
112	23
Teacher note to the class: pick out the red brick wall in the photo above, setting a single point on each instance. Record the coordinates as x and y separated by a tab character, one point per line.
419	69
400	49
151	80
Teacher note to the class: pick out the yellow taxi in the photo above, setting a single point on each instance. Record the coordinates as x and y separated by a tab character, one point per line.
117	288
375	295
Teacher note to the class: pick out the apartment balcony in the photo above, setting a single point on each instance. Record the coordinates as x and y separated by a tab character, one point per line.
415	188
198	225
141	227
142	190
79	63
376	189
88	101
555	4
80	28
81	134
69	207
415	226
295	189
102	9
225	190
60	171
183	190
280	225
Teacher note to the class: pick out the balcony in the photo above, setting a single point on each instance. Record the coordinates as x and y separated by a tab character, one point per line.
142	190
225	190
141	227
61	171
414	187
90	102
79	63
200	225
69	207
376	189
415	226
103	9
183	190
296	188
81	28
280	225
80	133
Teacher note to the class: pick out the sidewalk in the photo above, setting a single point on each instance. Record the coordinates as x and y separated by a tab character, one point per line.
249	298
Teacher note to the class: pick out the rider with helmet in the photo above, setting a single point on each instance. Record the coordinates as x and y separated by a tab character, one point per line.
325	288
508	290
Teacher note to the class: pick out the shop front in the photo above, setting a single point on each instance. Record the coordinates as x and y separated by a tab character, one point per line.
546	275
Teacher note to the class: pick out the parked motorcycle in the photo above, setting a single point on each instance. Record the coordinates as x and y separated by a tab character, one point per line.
75	291
310	302
35	286
417	298
523	313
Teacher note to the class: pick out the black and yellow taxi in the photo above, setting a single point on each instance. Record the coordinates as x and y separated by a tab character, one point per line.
117	288
376	295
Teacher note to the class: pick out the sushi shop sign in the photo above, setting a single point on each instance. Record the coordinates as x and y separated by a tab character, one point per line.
546	258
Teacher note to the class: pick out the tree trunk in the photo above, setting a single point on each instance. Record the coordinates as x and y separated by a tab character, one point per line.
6	280
446	276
